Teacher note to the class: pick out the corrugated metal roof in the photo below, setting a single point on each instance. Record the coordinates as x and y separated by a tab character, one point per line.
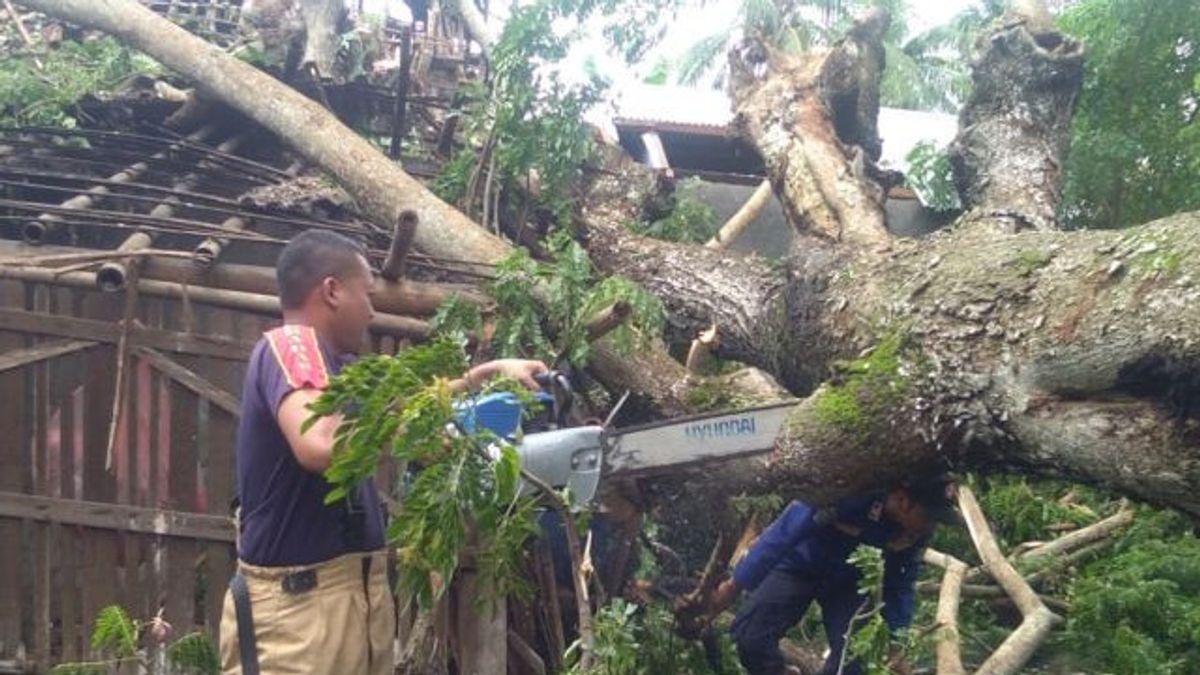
708	110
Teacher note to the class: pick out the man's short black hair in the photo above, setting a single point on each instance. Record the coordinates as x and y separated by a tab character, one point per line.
309	258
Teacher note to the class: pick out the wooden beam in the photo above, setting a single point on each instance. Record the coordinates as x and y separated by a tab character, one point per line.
656	154
119	517
49	350
41	323
188	378
388	324
406	230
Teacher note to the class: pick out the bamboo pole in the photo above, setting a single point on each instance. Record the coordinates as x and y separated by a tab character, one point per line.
389	324
406	297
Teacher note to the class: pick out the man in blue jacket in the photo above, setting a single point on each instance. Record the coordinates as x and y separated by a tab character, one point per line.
802	557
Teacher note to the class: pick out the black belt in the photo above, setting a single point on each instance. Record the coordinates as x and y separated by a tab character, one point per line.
293	584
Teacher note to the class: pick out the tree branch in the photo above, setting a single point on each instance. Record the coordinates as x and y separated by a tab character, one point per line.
948	650
738	222
1015	127
1015	651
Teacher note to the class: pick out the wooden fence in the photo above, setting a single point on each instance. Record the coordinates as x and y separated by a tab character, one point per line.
146	527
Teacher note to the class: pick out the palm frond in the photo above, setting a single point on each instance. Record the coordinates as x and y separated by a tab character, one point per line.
702	57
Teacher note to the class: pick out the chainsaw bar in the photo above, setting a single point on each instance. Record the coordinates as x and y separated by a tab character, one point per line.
682	442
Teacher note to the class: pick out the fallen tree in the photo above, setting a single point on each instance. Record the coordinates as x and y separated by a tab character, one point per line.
1001	343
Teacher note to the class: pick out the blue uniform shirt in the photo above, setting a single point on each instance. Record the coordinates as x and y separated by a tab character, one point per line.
807	542
284	518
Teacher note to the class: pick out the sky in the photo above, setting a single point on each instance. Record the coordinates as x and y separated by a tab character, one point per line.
693	24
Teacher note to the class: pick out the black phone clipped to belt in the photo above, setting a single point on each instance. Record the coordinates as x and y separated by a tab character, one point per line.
300	582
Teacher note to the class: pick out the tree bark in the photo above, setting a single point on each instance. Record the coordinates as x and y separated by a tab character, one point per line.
1016	126
1073	354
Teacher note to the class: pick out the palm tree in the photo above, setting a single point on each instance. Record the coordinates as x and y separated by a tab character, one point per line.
791	25
926	72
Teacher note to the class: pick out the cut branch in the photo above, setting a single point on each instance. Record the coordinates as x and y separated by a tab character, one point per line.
738	222
1072	541
949	652
606	320
813	119
1038	620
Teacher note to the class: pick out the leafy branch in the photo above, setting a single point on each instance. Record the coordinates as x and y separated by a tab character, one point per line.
116	637
573	298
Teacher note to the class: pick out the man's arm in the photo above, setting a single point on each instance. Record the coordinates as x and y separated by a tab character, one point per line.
314	448
900	572
522	370
796	522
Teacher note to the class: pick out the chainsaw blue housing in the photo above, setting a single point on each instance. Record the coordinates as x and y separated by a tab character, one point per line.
501	413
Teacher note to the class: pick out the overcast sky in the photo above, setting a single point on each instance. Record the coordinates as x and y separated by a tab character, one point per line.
693	24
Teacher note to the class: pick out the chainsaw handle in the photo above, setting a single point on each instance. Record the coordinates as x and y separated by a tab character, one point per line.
558	385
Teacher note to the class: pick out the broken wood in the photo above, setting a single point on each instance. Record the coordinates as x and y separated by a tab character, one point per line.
948	649
1082	537
112	275
402	238
118	403
700	352
606	320
381	187
1017	648
738	222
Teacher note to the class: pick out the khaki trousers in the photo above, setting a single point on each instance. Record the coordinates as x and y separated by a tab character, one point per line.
345	625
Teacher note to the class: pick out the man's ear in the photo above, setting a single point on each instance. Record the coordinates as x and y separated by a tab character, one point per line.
331	291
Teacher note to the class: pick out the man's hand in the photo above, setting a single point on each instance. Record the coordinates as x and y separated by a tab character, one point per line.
723	597
897	663
522	370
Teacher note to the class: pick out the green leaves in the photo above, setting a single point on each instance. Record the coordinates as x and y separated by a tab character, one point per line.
1135	144
573	297
691	220
194	653
115	632
46	96
463	494
929	174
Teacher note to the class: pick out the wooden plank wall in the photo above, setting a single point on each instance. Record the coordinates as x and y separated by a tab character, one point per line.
147	529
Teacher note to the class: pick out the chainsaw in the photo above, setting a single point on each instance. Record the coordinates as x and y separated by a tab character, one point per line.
578	457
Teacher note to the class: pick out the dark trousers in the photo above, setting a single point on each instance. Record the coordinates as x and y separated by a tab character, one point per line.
779	603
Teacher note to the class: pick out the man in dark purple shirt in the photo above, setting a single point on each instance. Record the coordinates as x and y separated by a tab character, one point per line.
314	573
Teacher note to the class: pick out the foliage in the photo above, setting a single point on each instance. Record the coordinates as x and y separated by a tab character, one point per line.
1138	611
930	176
403	405
573	296
691	220
871	643
927	72
636	639
47	95
529	121
116	636
1135	140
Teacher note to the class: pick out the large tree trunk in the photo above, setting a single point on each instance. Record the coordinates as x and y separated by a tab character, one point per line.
1061	353
1067	354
